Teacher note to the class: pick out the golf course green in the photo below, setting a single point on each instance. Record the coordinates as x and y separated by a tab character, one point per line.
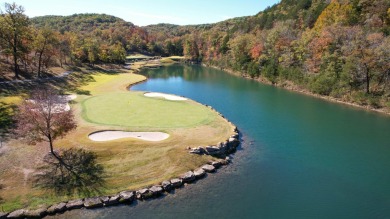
134	110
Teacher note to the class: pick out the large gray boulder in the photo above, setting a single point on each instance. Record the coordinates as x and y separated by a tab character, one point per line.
224	162
216	164
235	135
156	190
188	177
233	143
208	168
198	150
104	199
176	182
202	149
223	147
212	149
126	196
167	186
75	204
199	173
93	202
114	200
3	215
144	194
38	213
195	151
57	208
17	214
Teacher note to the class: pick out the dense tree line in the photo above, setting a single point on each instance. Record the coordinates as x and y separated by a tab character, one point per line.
34	45
339	48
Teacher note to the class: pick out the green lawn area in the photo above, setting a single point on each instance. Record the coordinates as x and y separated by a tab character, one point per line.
133	109
137	56
103	83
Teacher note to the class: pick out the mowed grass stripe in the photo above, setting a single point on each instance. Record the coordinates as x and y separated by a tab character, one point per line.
133	109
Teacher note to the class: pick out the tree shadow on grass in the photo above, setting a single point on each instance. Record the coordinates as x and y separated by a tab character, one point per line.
72	171
1	199
6	120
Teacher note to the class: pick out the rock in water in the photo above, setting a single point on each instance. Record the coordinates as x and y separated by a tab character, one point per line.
144	194
167	186
75	204
93	202
113	200
176	182
104	199
236	136
58	208
3	215
208	168
216	164
199	173
188	177
156	190
38	213
126	196
17	214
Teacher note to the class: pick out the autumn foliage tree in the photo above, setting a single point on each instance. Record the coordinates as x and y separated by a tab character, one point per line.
14	33
44	117
47	117
44	41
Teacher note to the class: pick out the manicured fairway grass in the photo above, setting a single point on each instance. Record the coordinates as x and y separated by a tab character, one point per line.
104	83
135	110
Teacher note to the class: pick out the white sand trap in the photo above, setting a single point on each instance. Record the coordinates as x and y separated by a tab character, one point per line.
114	135
62	105
67	98
166	96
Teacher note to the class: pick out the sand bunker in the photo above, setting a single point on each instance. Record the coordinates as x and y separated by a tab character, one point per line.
166	96
114	135
62	105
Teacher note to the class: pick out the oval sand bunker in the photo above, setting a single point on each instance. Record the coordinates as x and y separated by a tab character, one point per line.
166	96
114	135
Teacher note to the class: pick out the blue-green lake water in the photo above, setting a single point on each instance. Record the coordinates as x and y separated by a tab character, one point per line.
301	157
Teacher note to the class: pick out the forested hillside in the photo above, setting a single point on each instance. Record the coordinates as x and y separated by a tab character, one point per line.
339	48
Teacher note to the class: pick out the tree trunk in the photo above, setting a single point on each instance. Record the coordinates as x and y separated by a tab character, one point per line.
68	167
15	56
367	82
39	64
61	57
51	145
16	64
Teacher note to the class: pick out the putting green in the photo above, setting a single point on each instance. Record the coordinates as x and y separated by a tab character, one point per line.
133	109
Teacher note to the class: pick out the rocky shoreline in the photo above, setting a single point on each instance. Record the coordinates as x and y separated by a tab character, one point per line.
221	151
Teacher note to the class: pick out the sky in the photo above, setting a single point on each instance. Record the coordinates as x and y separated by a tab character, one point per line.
145	12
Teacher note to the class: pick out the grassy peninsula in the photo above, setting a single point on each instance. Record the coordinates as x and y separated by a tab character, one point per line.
129	163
